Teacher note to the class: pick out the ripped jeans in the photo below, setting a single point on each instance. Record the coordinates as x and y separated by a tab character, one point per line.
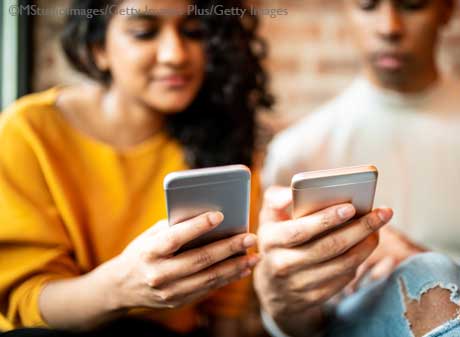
380	309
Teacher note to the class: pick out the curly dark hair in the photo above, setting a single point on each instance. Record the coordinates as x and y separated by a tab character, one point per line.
219	127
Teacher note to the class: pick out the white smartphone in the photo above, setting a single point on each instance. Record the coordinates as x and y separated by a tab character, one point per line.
316	190
225	189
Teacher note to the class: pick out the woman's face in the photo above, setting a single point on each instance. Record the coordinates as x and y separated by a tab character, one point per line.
155	53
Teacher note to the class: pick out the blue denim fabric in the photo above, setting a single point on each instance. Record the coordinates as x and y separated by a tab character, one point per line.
377	310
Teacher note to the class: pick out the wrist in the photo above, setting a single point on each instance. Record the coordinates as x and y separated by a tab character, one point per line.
106	278
79	303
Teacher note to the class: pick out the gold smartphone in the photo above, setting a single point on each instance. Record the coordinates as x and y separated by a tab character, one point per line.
317	190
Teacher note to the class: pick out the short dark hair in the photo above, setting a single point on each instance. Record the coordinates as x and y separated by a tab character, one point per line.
219	127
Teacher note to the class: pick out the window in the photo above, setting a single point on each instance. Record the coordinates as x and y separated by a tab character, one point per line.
14	56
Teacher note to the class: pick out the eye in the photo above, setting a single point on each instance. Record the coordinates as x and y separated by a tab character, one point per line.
367	5
143	29
144	34
413	5
193	28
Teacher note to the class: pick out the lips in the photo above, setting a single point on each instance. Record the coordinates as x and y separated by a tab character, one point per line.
173	81
389	61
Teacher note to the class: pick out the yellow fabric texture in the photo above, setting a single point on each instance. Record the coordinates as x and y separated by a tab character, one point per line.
69	203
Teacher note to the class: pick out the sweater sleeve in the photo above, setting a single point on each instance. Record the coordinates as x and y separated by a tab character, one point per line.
34	245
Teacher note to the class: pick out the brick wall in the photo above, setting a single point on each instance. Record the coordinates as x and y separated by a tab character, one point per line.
311	58
50	67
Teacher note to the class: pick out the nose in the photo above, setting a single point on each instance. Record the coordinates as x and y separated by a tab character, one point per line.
390	25
171	49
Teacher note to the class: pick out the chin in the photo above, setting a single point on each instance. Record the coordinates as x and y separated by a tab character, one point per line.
169	99
391	79
170	109
170	105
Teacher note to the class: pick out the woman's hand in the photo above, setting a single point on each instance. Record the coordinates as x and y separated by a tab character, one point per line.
149	274
393	248
302	267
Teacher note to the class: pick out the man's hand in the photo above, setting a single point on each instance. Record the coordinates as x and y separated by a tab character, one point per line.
394	247
301	268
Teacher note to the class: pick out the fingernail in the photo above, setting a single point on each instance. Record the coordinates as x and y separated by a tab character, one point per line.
385	214
216	218
249	241
252	261
245	273
346	212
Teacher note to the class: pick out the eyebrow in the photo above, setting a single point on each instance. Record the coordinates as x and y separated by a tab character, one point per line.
142	16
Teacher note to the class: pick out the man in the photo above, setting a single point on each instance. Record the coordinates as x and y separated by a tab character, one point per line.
402	116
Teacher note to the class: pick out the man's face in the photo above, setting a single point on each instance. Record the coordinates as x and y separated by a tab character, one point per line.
397	38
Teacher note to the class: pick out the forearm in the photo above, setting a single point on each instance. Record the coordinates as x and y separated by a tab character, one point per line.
79	303
308	323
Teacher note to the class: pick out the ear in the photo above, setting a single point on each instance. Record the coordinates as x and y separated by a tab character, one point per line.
100	57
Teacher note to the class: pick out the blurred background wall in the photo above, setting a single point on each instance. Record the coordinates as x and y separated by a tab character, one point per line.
311	59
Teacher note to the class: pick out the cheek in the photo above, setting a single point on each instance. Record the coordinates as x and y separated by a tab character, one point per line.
130	61
198	59
422	33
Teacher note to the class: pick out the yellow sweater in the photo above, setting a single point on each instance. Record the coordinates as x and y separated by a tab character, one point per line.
68	203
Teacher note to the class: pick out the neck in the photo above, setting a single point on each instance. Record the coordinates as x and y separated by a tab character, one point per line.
128	121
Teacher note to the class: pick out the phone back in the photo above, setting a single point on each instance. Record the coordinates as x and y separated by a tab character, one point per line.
225	189
314	191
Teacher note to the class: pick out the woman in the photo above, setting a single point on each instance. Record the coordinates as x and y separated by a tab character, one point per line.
81	170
